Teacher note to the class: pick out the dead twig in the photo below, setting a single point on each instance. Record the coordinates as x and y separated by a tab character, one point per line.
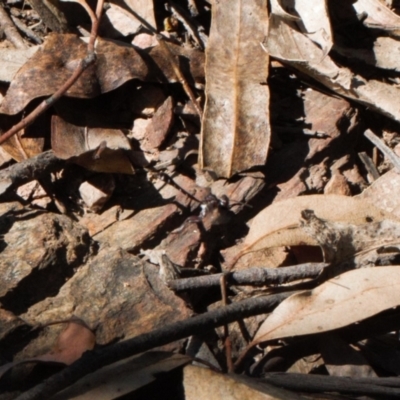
94	360
387	151
195	30
227	339
28	170
252	276
342	384
26	30
10	30
84	63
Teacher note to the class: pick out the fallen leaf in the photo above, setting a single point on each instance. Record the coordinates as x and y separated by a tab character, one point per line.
314	21
71	344
60	55
124	377
378	16
229	386
279	224
287	44
235	128
97	149
341	301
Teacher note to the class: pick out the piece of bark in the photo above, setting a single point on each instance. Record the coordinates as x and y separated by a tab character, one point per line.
39	251
92	361
116	294
131	233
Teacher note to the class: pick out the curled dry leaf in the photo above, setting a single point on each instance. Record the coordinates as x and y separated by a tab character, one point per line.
73	341
314	21
21	147
378	16
287	44
71	344
97	149
235	129
343	300
60	55
279	224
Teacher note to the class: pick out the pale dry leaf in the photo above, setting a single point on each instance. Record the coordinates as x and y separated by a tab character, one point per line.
277	9
12	60
235	128
378	16
341	301
202	383
287	44
383	192
314	22
279	224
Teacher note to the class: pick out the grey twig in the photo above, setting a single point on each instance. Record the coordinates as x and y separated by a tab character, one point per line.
387	151
252	276
10	30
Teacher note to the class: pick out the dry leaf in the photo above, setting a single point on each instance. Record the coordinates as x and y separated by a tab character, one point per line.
289	45
235	128
202	383
97	149
21	147
71	344
314	22
123	377
60	55
343	300
12	60
278	224
378	16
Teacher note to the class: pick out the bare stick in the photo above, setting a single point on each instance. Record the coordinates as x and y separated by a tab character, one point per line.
387	151
252	276
28	170
190	25
42	107
10	30
178	73
93	360
227	339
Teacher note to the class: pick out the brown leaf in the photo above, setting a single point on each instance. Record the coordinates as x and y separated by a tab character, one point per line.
235	129
21	147
97	149
71	344
49	68
343	300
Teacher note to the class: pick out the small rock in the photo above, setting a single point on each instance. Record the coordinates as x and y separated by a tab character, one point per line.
96	191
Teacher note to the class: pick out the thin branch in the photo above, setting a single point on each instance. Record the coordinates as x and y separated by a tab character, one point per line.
387	151
10	30
251	276
27	170
94	360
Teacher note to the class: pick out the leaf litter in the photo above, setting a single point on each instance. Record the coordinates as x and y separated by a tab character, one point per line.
135	193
